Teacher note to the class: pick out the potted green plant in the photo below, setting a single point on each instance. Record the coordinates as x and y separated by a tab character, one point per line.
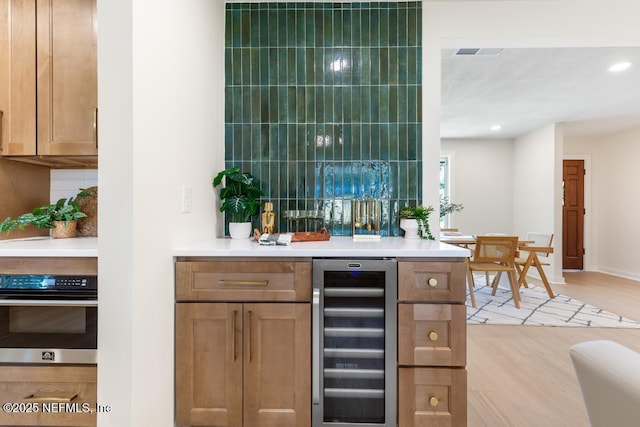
239	200
415	222
61	217
446	207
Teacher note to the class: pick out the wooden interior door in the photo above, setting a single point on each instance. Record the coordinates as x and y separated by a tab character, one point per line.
573	215
277	376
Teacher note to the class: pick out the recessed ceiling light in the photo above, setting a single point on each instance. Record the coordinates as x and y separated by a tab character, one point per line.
620	66
496	127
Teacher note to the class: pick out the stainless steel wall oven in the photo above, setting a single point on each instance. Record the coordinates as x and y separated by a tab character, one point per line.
354	342
48	318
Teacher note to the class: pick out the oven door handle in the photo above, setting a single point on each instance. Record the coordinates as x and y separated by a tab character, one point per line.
47	303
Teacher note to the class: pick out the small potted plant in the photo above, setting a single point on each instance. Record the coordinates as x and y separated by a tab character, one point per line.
446	207
61	217
239	200
415	222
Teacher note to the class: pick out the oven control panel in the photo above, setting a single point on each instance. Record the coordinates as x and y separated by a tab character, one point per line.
15	285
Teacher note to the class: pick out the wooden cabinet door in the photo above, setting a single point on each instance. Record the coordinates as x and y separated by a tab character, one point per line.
277	389
432	281
209	364
17	77
67	77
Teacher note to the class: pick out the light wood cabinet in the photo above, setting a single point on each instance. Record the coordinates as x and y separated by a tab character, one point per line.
243	363
48	96
49	395
432	343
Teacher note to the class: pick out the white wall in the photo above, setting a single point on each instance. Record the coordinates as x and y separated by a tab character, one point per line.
482	173
615	200
161	98
160	68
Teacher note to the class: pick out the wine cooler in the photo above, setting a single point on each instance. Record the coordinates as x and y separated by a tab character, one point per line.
354	342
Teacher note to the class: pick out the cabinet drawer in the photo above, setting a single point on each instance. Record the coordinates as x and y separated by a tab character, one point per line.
58	395
247	279
432	334
432	397
431	281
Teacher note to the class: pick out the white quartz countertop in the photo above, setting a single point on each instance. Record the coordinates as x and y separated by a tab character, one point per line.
337	246
48	247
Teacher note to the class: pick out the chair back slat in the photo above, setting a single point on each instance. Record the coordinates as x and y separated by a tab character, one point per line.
541	240
500	249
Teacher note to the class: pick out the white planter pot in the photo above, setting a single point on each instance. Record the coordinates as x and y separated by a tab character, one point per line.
239	230
410	227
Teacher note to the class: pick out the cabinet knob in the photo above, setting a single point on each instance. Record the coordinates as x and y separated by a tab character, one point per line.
433	336
433	282
433	401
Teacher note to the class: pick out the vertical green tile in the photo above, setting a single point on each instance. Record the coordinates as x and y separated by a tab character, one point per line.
310	104
301	146
236	102
228	106
291	66
384	65
310	142
337	28
366	65
402	27
319	28
412	142
228	141
256	146
309	24
366	141
384	27
356	147
310	69
384	104
300	105
412	103
375	65
338	94
347	142
356	67
375	141
412	65
254	36
394	143
236	37
228	33
403	138
356	109
393	27
245	29
365	104
246	104
274	113
384	141
291	27
283	113
291	142
255	104
328	29
282	59
365	27
393	66
245	77
356	28
283	148
254	58
412	28
236	66
393	104
273	27
419	104
319	105
402	65
375	27
319	142
375	104
292	108
402	104
273	65
346	105
263	17
300	32
318	59
328	104
282	29
246	142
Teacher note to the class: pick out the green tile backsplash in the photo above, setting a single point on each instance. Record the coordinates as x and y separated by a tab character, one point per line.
323	106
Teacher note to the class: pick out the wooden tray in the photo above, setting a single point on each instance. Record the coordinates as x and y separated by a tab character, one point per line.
311	236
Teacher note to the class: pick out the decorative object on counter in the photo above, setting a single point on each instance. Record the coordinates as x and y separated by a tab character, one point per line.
304	217
61	217
447	207
239	200
415	222
298	236
365	219
88	201
268	219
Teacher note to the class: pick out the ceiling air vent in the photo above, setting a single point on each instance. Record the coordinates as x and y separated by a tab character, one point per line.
474	51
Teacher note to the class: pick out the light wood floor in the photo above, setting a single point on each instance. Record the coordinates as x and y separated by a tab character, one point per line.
523	376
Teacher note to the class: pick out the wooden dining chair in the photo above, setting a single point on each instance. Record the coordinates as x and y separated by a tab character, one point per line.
494	254
535	254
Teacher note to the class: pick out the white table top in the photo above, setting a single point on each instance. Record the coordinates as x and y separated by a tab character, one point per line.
48	247
337	246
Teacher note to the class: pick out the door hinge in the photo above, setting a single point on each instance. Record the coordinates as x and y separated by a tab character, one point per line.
583	252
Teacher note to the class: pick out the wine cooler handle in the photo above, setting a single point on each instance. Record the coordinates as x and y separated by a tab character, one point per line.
315	345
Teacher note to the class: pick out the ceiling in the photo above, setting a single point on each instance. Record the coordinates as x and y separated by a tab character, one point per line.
524	89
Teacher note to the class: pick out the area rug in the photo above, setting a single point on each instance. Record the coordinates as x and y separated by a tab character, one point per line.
537	309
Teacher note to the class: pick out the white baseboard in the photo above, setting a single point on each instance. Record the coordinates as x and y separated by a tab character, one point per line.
619	273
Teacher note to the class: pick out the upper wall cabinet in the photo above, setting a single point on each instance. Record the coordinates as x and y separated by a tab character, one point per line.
48	55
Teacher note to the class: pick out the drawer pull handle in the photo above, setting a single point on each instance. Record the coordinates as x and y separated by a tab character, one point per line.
243	282
433	282
233	335
34	398
433	401
433	336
